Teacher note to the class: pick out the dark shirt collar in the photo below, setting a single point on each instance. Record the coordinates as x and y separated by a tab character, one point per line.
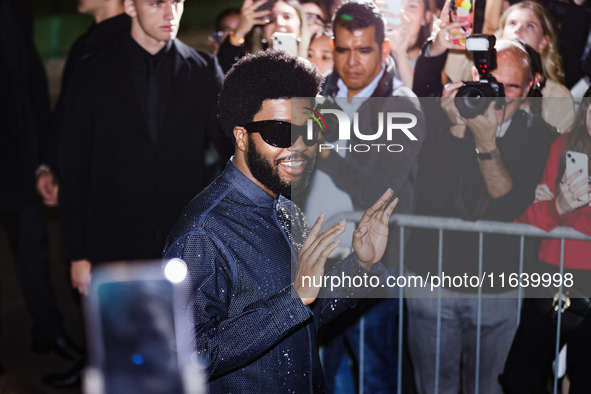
116	22
100	34
383	89
247	187
140	55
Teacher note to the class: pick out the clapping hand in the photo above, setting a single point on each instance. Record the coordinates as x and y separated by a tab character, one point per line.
312	258
371	237
369	243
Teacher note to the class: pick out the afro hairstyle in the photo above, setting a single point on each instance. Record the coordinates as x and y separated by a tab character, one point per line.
265	75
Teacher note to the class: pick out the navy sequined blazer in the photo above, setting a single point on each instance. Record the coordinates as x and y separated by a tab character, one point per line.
255	333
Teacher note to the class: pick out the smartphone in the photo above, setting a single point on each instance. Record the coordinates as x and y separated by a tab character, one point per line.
392	11
287	42
577	162
136	333
462	11
269	5
216	36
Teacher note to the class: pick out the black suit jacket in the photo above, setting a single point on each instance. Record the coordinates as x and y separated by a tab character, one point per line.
82	50
24	106
120	192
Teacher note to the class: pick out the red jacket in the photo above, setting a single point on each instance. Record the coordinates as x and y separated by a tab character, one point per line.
543	214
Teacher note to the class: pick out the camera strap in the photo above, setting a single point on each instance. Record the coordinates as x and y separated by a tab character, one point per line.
483	199
480	207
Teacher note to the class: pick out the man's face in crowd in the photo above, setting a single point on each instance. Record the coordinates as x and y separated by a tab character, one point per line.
513	72
357	56
280	170
158	19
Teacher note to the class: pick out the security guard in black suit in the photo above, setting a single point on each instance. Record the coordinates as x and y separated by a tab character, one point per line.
138	117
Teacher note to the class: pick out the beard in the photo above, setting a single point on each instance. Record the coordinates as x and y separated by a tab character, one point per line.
267	172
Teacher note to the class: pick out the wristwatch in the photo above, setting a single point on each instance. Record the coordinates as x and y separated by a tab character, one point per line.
493	154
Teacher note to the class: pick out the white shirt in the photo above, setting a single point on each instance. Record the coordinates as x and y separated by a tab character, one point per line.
324	195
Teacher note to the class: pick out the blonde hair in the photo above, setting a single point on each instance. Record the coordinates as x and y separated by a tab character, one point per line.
551	59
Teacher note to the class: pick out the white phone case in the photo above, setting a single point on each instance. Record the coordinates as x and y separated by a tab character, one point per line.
577	162
392	11
287	42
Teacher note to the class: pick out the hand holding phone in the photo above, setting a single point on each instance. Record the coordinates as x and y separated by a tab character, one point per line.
252	13
577	162
138	336
574	187
287	42
266	6
392	11
462	11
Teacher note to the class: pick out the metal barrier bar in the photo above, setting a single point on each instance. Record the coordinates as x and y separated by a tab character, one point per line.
519	289
361	350
478	314
438	340
559	315
400	316
482	227
485	226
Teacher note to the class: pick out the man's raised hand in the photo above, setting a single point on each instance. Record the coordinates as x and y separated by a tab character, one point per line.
371	237
313	256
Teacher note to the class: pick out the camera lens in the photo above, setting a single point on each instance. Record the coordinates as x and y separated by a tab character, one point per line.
569	155
471	100
572	160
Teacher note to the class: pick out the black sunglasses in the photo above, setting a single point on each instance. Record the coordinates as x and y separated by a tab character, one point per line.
282	134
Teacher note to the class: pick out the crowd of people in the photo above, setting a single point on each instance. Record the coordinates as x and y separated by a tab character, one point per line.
155	149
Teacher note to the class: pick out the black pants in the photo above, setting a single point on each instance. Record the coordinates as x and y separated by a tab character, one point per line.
529	364
27	233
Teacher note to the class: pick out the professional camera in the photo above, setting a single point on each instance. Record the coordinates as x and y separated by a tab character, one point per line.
472	98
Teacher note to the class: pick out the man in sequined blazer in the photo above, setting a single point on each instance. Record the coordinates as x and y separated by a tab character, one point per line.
247	246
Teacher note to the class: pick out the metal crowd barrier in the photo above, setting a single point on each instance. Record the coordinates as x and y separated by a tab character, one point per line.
481	227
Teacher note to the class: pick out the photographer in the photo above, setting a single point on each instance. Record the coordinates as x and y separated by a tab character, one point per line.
476	163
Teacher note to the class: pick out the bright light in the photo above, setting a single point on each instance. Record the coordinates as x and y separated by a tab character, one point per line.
175	270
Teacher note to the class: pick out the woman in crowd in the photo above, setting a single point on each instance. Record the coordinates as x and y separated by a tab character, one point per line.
317	16
530	22
256	27
560	201
408	37
225	23
320	52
